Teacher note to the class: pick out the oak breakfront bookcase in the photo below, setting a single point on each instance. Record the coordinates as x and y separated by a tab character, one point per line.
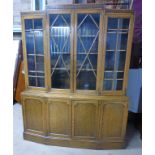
76	63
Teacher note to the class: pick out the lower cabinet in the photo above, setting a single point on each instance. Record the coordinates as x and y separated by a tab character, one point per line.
75	123
114	119
59	117
85	119
33	114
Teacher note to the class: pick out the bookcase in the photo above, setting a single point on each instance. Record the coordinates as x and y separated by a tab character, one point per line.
76	62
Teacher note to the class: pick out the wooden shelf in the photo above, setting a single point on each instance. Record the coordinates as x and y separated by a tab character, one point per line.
115	50
32	30
41	55
85	53
59	53
112	79
87	36
86	69
60	69
113	71
35	76
31	71
117	32
118	29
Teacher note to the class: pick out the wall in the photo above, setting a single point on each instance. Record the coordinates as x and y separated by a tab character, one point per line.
59	2
134	90
26	5
18	6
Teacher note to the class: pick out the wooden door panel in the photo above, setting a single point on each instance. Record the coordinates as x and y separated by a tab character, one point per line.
33	109
113	119
85	119
59	117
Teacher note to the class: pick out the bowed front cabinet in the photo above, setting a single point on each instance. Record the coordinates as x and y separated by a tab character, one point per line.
76	63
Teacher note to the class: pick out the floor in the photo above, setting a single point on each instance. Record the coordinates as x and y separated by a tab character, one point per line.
23	147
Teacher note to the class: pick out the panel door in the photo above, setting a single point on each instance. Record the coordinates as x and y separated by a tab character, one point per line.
59	115
33	112
114	118
85	119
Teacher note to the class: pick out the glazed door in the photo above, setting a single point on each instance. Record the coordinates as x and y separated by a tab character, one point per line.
34	50
60	49
87	30
118	32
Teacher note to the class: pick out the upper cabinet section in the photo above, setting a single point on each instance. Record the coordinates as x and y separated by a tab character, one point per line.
77	50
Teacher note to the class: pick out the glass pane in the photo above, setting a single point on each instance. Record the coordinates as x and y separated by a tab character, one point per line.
60	42
87	44
32	73
120	75
32	81
84	44
112	23
39	42
93	60
109	60
124	23
38	24
118	23
107	85
118	84
80	59
28	24
60	79
31	62
111	41
40	82
87	50
87	63
29	42
120	60
39	63
61	20
54	58
108	75
86	80
39	73
66	58
89	26
122	41
94	48
60	50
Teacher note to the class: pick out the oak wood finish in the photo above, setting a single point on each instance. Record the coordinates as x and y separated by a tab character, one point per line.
59	115
85	119
76	118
